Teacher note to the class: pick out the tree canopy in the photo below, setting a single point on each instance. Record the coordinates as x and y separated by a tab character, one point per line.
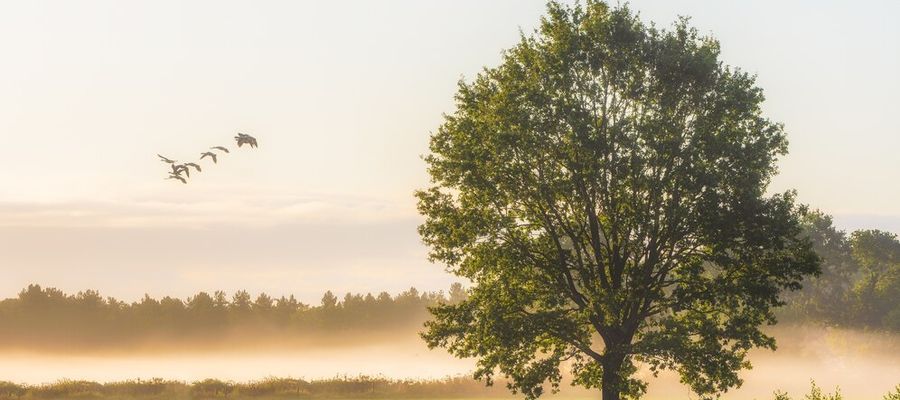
604	189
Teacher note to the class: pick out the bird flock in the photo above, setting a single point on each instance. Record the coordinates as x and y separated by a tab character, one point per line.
182	172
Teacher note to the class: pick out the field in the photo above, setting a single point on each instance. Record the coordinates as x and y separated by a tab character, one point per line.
345	388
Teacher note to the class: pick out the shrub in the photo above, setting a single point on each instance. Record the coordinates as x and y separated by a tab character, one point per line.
894	395
10	389
815	393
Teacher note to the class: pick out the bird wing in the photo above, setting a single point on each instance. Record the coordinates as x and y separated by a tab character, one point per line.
176	176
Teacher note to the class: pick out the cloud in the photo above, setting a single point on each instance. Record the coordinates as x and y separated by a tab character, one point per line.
276	245
200	212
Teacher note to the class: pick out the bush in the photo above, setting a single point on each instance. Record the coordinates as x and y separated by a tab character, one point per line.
275	387
815	393
894	395
211	388
68	389
14	390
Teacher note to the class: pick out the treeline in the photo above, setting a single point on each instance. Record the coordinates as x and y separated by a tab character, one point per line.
335	388
41	317
860	281
859	287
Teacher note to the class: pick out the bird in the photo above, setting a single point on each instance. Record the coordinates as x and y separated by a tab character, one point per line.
166	160
179	168
190	164
176	176
244	138
209	154
222	148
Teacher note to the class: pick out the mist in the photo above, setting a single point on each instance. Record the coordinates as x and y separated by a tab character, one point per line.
862	364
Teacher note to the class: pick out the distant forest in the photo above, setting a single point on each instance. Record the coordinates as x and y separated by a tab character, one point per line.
42	317
860	282
859	288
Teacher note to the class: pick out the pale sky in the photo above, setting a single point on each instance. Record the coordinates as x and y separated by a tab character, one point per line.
342	97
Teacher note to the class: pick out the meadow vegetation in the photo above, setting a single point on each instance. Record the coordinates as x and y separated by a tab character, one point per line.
340	387
361	387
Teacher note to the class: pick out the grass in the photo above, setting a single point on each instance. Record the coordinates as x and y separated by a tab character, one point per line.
343	388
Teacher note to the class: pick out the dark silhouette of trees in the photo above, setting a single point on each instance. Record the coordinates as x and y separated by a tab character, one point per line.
860	281
604	189
46	317
877	292
826	297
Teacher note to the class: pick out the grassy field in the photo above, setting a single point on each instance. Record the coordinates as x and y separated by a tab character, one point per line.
272	388
344	388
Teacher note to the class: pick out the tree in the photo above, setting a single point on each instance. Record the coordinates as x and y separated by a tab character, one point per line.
329	300
827	297
457	293
603	189
878	289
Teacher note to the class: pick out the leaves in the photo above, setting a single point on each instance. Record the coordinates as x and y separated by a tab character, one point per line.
607	180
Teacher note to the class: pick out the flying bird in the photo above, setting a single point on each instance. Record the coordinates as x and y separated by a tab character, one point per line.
210	155
190	164
182	172
179	168
176	176
166	160
243	138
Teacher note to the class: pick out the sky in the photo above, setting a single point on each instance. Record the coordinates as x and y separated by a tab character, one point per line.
342	97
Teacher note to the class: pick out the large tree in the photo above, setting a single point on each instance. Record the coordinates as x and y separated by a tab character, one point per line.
603	189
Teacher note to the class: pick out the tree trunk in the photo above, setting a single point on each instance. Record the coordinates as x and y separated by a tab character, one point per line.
611	384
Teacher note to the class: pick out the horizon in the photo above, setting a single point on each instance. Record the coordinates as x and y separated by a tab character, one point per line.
342	98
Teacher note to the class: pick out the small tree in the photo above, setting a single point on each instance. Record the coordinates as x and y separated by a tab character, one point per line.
604	190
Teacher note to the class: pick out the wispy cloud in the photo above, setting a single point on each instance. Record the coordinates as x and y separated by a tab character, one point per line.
243	210
278	245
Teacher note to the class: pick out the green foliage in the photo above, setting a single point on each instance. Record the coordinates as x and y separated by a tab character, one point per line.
878	290
826	297
815	393
893	395
860	283
607	180
779	395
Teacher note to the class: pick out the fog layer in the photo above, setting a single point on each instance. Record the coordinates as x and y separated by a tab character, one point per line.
865	365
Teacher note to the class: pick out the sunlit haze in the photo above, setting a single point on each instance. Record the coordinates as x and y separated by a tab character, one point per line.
342	97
